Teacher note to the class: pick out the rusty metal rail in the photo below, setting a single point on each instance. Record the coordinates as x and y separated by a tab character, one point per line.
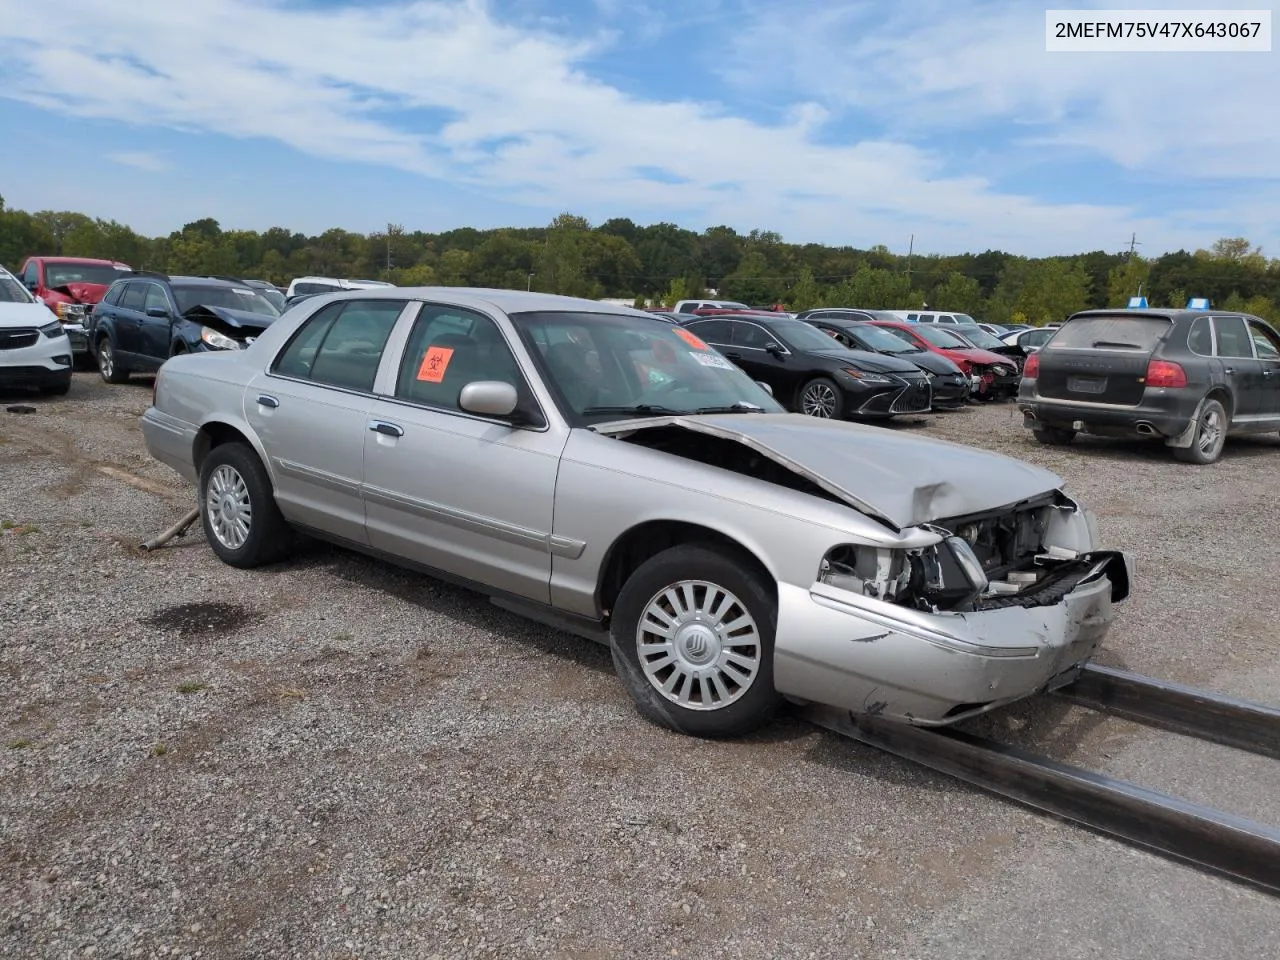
1221	843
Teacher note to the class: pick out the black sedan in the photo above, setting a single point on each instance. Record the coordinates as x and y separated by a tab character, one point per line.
950	385
810	373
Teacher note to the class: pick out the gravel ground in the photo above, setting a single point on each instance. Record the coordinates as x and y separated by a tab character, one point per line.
336	759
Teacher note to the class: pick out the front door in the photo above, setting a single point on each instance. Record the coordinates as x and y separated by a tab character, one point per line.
1266	344
311	410
156	330
467	495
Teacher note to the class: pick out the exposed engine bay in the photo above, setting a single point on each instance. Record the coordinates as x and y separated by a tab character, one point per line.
984	562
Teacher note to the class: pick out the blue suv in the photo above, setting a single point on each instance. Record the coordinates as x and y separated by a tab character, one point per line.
146	318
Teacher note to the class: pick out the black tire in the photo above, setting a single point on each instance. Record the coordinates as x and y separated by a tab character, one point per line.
743	710
1054	436
820	393
109	367
269	537
1212	424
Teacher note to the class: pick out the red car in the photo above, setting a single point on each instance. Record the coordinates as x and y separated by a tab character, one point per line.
70	286
990	375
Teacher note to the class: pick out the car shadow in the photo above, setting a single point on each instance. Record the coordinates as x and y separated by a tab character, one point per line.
1154	451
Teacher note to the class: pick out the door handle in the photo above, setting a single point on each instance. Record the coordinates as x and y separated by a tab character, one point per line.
267	400
733	356
1229	370
386	429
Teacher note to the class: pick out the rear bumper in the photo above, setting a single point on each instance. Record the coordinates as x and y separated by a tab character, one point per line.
1163	413
171	441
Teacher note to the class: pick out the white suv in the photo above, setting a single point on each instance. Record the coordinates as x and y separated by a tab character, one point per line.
34	348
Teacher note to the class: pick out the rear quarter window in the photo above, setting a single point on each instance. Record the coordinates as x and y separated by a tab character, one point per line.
1110	333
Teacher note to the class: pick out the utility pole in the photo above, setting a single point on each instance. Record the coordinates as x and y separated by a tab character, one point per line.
911	246
390	227
1133	242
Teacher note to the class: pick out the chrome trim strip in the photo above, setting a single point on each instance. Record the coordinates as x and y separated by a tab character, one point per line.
320	478
465	520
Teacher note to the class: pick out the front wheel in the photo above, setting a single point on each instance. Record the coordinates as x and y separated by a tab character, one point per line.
692	639
238	508
1210	435
820	398
111	369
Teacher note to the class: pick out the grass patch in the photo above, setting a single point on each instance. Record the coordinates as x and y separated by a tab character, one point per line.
19	744
290	693
7	524
20	529
344	638
192	687
159	750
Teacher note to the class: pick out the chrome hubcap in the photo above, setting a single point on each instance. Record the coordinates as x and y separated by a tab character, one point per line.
104	358
230	512
698	645
1210	431
819	400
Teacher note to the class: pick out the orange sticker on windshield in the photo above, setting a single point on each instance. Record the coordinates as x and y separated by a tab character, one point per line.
434	364
691	339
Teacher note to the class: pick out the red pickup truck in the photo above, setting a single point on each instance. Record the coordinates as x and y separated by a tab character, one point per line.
70	286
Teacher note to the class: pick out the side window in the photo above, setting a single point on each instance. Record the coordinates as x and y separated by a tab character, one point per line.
946	318
155	298
687	308
752	336
450	347
134	295
341	346
31	275
1265	341
914	317
113	294
714	332
1233	337
1200	337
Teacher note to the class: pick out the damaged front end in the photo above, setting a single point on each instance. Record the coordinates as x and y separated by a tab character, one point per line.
1030	555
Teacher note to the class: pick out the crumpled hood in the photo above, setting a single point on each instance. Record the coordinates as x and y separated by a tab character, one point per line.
82	292
870	362
24	315
239	319
899	479
935	363
984	357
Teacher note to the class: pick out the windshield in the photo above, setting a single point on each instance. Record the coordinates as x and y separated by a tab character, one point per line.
802	335
965	319
275	297
937	336
882	341
979	337
233	298
605	366
11	291
61	274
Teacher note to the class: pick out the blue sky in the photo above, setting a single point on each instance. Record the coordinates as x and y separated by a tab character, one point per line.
855	123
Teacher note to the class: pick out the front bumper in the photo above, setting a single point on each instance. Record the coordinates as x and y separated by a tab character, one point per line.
842	650
950	391
45	363
887	400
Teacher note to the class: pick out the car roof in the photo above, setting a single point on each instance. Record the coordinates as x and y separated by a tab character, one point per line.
508	301
109	263
1179	313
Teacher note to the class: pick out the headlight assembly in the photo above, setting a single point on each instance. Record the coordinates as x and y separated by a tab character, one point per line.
53	330
219	341
863	377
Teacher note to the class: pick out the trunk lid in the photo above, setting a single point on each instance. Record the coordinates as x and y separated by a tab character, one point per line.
1101	358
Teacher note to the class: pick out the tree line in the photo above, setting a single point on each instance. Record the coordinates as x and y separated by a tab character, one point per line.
661	263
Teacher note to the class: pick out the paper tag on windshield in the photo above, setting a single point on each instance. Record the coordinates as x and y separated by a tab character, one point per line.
713	360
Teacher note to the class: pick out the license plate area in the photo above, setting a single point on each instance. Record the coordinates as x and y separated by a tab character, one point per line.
1093	385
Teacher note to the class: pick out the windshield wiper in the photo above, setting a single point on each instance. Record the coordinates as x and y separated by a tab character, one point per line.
1117	343
741	406
634	408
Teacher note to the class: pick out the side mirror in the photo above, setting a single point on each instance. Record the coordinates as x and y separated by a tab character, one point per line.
32	285
489	398
765	387
775	348
158	312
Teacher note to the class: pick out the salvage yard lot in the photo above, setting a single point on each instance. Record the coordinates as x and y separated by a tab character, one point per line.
333	758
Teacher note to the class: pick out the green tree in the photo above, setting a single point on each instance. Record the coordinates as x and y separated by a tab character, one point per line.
874	288
959	293
454	269
1051	289
805	293
1129	279
751	282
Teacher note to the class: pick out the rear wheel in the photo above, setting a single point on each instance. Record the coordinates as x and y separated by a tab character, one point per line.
238	508
1054	436
1210	435
820	397
692	639
111	369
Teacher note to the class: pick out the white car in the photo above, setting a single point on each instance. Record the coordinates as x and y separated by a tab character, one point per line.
305	286
34	348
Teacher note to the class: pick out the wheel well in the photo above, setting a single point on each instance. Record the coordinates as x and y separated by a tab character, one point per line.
648	540
1222	396
213	435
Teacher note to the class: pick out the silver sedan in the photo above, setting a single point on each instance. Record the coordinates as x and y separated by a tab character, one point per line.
599	470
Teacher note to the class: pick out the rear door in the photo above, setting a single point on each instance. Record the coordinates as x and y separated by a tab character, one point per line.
1240	368
1101	359
128	320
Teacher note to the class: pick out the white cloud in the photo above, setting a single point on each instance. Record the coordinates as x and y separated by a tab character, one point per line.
141	160
516	115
